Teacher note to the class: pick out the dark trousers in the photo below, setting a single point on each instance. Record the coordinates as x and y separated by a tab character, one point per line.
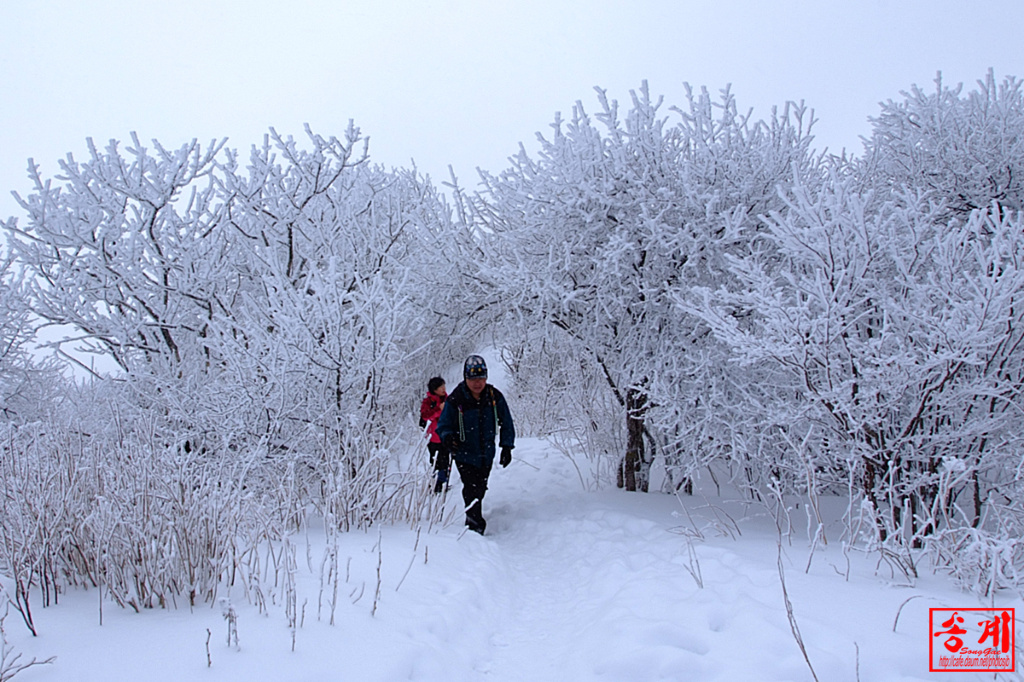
439	456
474	486
442	464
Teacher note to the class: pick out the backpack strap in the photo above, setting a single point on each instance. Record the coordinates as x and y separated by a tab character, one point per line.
494	406
462	428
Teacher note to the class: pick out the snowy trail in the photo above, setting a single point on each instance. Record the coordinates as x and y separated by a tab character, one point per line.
594	590
569	564
566	585
605	586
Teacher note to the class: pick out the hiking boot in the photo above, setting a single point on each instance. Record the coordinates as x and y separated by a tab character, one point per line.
477	524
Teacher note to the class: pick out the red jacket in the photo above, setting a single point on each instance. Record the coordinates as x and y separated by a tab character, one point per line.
430	411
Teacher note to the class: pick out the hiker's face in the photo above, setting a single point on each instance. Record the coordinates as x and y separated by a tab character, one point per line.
476	385
441	391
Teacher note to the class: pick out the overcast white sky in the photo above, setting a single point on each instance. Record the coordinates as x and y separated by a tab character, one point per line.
457	82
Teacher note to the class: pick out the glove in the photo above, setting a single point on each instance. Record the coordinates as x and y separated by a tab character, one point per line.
449	441
506	456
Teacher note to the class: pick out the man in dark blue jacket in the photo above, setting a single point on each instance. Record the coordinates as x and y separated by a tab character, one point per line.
473	415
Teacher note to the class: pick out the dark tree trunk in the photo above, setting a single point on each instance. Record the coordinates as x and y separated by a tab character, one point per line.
634	472
976	484
871	494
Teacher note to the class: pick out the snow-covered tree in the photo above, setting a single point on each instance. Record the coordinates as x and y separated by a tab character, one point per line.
352	269
126	248
892	346
589	238
30	382
272	329
246	305
965	151
875	332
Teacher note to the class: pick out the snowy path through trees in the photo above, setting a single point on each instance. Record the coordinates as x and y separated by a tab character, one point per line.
614	586
575	571
602	586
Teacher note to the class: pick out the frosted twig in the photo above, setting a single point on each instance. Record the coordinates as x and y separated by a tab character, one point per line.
794	628
9	665
411	560
896	621
380	560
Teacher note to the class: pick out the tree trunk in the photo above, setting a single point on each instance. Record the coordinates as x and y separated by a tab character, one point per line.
634	472
870	493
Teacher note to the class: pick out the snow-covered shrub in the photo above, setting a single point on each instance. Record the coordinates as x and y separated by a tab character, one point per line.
107	495
978	560
106	506
36	502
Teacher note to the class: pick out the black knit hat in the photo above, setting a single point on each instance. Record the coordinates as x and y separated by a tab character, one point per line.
475	368
435	383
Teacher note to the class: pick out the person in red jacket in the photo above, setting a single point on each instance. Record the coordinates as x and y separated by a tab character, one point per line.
430	411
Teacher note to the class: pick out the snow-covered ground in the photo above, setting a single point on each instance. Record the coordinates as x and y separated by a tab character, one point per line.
568	584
